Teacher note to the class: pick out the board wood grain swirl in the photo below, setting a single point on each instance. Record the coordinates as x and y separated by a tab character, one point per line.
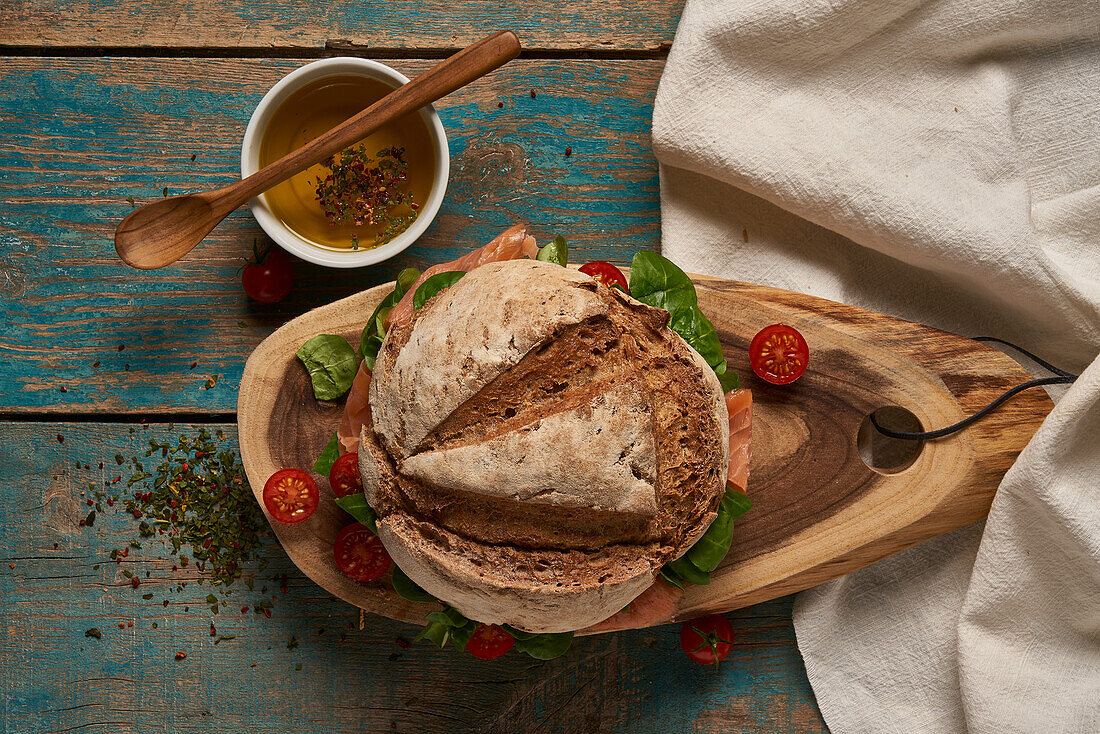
820	512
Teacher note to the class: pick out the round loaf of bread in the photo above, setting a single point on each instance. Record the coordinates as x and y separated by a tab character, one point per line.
540	445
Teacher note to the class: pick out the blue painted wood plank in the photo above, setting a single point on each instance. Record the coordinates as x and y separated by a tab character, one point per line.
395	24
53	678
81	332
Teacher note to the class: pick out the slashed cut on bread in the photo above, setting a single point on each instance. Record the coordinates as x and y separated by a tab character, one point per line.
540	446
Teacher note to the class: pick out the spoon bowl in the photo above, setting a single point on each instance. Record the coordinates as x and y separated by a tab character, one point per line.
164	231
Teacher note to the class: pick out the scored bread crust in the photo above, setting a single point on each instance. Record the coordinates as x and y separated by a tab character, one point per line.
515	359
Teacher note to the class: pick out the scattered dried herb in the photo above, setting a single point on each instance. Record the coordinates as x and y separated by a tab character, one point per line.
93	632
130	201
199	496
292	643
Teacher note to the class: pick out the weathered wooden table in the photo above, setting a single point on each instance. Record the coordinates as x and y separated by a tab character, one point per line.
101	101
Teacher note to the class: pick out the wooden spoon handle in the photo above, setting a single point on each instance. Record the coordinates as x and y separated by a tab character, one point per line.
445	77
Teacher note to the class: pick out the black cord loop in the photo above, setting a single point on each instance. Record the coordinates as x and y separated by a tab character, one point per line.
1061	377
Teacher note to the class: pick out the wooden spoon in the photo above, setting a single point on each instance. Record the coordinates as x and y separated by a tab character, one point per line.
160	233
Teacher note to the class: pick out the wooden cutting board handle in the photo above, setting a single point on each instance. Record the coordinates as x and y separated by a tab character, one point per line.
820	511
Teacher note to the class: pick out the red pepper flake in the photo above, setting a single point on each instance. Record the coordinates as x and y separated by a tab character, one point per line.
568	150
403	643
55	546
500	105
60	438
532	94
91	503
165	602
267	613
213	632
192	156
181	656
137	513
62	389
244	609
122	625
135	582
110	502
126	551
11	565
130	623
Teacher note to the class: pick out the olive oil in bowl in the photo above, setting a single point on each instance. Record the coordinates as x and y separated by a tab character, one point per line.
359	199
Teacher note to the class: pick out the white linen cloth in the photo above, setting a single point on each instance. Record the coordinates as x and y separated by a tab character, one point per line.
937	161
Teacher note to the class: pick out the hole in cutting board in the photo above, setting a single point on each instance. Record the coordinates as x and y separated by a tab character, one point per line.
884	454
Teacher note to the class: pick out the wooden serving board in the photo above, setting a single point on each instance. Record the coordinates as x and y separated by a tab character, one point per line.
820	510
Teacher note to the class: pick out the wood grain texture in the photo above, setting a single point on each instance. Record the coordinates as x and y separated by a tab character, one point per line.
115	128
389	24
820	510
54	679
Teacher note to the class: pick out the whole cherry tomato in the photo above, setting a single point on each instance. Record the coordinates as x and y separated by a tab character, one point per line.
360	555
344	476
290	495
778	354
267	276
489	642
605	272
707	640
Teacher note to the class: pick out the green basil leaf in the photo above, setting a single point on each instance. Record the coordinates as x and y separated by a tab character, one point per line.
656	281
331	364
686	570
375	327
727	378
370	347
696	329
555	252
437	633
670	578
405	279
712	547
406	588
328	457
739	502
460	636
545	646
433	285
356	506
449	616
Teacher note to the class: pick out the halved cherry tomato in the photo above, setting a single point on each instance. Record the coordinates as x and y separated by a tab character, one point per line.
605	272
290	495
360	555
778	354
344	475
707	640
489	642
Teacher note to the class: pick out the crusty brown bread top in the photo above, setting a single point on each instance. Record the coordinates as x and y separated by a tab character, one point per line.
541	445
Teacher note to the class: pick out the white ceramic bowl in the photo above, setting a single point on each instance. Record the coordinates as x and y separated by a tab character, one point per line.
250	163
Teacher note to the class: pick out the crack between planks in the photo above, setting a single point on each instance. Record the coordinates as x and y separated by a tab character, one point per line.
331	48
